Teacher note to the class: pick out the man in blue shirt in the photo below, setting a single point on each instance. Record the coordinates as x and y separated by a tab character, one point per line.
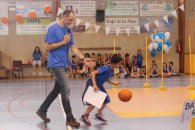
59	39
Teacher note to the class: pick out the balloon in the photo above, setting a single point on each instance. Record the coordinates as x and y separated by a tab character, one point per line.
155	45
47	9
32	14
167	36
159	47
165	48
161	35
168	43
5	20
154	35
157	39
19	18
150	47
153	53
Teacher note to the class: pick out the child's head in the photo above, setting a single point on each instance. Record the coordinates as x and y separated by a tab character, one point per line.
116	60
170	63
165	65
73	56
87	55
92	55
153	62
139	51
127	55
155	66
143	68
135	66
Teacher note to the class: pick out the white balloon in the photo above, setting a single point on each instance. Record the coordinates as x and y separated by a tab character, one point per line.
167	36
157	39
166	48
150	47
155	45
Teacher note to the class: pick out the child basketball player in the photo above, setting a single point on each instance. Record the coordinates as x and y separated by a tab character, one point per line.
97	79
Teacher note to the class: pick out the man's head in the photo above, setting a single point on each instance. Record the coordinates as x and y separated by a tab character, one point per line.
68	17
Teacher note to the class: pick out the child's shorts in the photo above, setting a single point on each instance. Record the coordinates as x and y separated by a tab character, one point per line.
89	83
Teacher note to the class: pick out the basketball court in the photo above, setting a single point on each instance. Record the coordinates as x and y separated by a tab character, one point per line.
149	108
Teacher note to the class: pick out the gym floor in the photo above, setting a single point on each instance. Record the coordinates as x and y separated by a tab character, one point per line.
149	109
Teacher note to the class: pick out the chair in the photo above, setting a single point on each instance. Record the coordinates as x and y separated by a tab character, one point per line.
17	66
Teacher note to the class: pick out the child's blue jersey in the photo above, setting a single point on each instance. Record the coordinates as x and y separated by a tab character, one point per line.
105	72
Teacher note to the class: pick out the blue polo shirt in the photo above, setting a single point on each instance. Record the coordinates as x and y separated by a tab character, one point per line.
58	57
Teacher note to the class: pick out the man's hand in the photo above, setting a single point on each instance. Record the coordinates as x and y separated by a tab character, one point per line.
89	62
67	38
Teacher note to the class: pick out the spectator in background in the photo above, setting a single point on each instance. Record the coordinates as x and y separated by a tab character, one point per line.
128	62
134	60
36	58
139	58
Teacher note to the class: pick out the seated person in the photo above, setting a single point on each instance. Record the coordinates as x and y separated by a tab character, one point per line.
82	70
135	72
74	66
123	72
165	70
172	70
143	72
154	72
36	58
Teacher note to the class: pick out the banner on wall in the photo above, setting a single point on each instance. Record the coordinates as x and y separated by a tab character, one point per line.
3	13
81	8
38	6
122	23
163	25
118	8
155	8
29	26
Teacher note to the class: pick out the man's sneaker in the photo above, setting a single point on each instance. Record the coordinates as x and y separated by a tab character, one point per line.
85	119
43	116
73	123
100	117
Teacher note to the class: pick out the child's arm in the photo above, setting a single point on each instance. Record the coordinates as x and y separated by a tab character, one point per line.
109	81
93	75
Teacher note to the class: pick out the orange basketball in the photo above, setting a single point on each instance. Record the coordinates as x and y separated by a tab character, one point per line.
47	9
125	95
32	14
19	18
5	20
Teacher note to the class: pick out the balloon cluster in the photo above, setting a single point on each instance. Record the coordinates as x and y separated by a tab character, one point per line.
156	43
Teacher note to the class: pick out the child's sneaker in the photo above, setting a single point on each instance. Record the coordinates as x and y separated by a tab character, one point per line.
85	119
100	117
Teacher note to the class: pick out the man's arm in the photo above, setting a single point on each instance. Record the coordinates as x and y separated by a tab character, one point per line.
76	51
54	46
88	61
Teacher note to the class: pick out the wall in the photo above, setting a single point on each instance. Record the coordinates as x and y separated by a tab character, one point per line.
21	47
190	24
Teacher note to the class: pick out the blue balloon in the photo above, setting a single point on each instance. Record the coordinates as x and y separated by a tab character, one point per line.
161	35
153	53
159	47
169	43
160	44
